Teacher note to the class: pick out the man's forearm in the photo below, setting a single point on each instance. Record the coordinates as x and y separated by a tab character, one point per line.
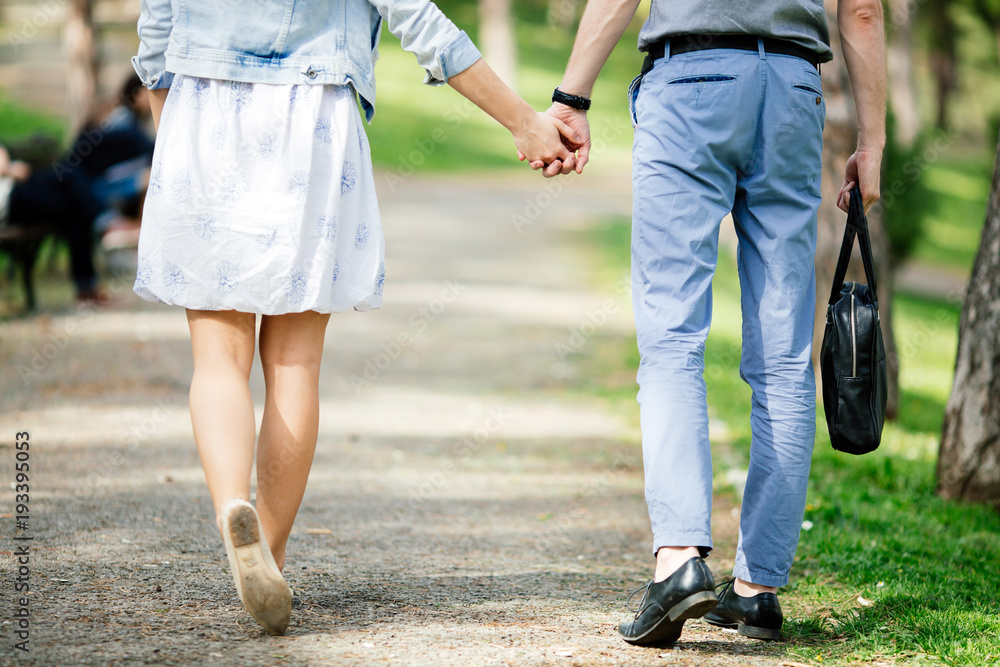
862	37
602	25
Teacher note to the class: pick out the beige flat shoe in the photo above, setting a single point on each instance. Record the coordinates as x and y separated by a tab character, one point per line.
262	589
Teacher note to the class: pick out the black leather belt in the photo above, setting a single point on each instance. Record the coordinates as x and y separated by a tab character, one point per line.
688	43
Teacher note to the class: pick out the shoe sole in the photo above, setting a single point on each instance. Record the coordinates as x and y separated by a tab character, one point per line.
667	629
264	593
752	631
758	633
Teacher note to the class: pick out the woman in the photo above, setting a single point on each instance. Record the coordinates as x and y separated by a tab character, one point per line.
261	201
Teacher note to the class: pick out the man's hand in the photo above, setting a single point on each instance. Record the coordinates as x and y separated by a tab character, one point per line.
546	140
579	144
864	169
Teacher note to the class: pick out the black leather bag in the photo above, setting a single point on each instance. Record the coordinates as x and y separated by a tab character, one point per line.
852	359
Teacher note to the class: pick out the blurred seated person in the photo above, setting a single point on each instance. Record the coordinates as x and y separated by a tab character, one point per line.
114	151
38	196
94	191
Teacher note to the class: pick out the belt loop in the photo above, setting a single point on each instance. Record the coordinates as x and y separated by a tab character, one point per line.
760	48
666	50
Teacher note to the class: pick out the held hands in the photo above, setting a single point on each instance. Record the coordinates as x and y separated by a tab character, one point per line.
864	169
575	131
544	141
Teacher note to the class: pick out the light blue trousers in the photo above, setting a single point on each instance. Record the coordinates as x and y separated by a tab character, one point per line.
722	131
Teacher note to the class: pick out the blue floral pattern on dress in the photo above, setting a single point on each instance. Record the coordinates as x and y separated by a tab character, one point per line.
343	92
324	130
348	179
218	136
267	145
204	227
174	279
143	274
155	186
295	286
380	279
197	92
229	278
361	237
299	96
181	186
327	227
231	185
299	186
267	240
336	273
240	93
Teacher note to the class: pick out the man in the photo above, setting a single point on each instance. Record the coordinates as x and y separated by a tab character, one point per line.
729	117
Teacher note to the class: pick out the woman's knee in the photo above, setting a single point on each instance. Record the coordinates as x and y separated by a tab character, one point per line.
222	337
293	341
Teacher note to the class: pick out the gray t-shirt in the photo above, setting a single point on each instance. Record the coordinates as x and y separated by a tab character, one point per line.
799	21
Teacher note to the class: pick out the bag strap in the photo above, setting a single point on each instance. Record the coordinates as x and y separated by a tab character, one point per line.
857	225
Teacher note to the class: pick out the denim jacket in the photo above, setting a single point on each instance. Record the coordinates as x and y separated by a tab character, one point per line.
293	41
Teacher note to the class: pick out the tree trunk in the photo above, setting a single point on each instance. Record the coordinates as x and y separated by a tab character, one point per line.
840	138
943	57
496	35
82	62
902	95
969	459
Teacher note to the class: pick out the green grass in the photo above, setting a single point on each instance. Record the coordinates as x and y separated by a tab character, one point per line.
960	185
18	121
929	568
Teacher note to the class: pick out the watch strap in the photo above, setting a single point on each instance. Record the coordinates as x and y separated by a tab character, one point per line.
575	101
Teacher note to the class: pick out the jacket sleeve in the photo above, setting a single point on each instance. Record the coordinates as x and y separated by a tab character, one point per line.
441	48
155	22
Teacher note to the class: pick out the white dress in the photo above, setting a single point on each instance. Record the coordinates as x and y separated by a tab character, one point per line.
261	199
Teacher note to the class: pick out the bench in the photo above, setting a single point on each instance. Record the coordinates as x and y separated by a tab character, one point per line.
23	245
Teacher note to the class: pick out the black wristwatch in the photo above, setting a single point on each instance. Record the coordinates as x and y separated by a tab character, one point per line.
575	101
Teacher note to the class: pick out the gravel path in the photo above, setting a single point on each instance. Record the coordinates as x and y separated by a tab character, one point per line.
468	504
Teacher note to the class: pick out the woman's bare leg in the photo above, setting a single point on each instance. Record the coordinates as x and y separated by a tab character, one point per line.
291	348
221	407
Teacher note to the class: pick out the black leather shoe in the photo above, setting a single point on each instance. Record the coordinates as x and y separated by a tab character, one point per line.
758	617
665	605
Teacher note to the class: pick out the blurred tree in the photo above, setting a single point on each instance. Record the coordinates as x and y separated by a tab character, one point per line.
906	199
988	12
902	93
840	138
969	457
943	41
496	34
82	62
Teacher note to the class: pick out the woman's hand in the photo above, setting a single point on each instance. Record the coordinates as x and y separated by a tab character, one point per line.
157	98
542	140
